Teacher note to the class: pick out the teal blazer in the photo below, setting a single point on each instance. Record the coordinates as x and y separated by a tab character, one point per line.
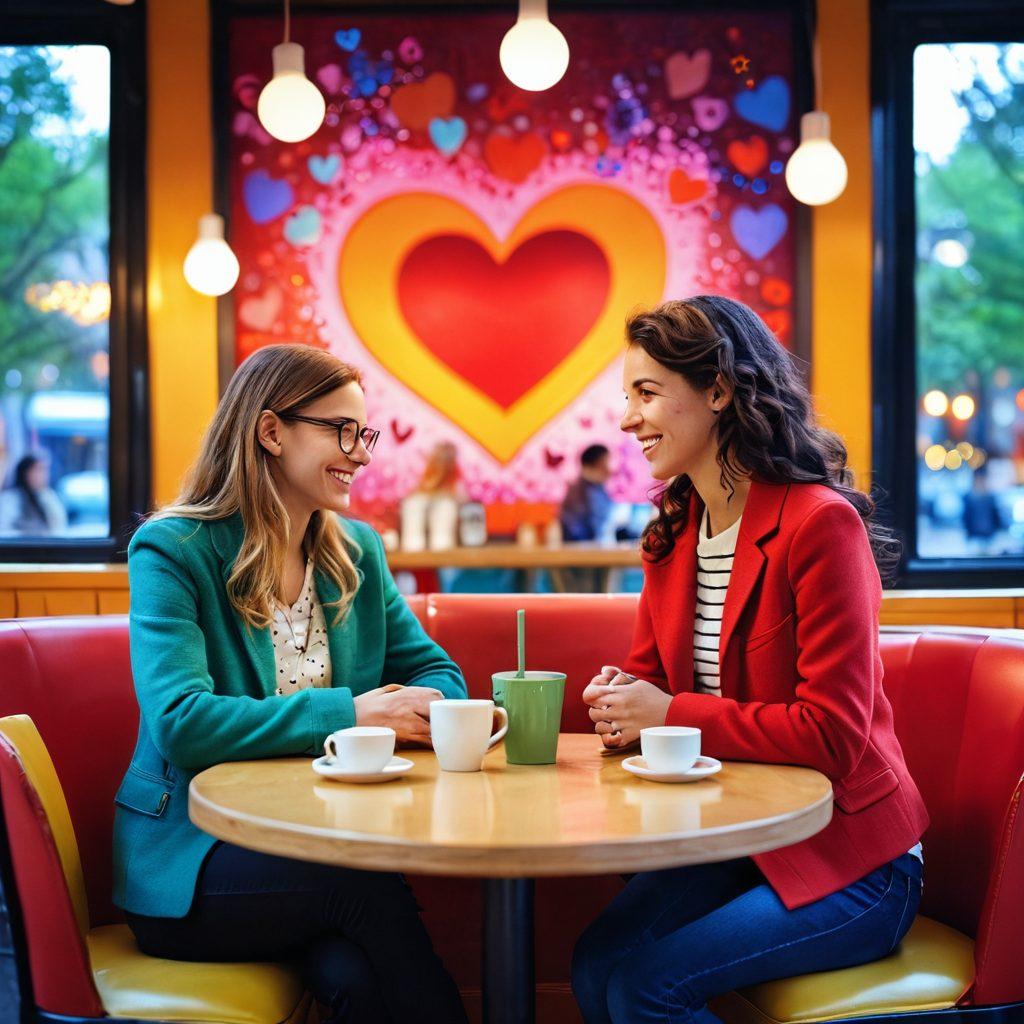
206	690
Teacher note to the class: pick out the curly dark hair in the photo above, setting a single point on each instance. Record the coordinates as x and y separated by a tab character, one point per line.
768	429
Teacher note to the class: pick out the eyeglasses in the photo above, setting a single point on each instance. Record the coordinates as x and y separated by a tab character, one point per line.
349	431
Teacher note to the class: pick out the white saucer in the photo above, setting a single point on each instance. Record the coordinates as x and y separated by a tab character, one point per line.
394	769
704	767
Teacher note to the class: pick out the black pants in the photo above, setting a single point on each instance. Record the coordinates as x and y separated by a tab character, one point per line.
356	935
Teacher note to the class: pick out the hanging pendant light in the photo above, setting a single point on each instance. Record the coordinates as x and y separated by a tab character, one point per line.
210	266
290	107
816	173
534	54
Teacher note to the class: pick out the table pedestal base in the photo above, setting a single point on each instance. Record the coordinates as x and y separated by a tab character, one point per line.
508	977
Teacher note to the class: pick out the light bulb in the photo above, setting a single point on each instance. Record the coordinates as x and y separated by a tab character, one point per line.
816	172
290	106
210	266
534	54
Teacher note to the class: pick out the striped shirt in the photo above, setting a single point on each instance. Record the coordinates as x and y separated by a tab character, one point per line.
714	567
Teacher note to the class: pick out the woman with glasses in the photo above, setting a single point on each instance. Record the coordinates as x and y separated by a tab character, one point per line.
261	621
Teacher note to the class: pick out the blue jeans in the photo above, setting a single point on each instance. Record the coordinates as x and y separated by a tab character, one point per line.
356	936
673	939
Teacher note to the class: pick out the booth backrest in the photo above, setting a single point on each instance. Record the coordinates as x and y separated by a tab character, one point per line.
73	678
958	698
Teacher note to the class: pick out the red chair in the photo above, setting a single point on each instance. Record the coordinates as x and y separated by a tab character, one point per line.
958	697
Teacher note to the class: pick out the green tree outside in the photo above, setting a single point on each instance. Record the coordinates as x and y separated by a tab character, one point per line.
54	221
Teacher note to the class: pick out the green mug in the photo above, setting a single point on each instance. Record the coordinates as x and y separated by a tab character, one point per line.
534	707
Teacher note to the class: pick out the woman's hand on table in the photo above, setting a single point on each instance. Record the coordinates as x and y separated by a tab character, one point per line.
406	709
621	705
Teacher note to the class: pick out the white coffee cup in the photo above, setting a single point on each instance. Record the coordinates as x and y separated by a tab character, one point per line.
461	732
363	748
670	748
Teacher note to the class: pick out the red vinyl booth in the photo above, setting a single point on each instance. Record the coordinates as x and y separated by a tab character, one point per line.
958	696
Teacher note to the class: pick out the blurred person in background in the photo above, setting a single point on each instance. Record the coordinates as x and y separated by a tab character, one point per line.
587	507
982	520
29	507
441	475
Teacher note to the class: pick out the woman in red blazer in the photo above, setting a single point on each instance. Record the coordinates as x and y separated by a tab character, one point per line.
758	623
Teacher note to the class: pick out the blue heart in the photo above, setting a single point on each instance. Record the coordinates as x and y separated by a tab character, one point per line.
323	168
348	38
448	134
757	232
303	227
265	197
767	105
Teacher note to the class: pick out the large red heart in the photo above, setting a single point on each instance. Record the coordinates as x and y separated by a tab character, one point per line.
503	326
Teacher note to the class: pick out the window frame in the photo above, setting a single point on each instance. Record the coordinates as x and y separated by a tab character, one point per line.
123	31
897	28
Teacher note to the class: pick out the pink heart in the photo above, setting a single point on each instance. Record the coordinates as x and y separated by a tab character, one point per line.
710	113
330	77
260	311
685	74
247	90
245	124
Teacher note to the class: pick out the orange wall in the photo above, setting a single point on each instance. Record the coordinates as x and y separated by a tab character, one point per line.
841	368
182	324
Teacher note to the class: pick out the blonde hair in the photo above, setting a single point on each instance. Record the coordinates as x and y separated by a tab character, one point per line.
232	474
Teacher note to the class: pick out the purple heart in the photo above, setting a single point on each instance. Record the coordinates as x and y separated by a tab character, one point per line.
767	105
348	38
477	92
710	113
757	232
265	198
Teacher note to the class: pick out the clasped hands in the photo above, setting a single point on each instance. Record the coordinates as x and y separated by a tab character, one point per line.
621	705
406	709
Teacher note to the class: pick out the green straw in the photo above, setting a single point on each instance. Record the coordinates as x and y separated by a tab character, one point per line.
521	642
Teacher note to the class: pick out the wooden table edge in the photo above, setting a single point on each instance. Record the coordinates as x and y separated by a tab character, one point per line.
386	853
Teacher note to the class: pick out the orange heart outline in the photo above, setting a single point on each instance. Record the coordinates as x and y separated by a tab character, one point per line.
378	242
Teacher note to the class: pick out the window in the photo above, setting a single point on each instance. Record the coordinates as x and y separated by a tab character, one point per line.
71	272
949	290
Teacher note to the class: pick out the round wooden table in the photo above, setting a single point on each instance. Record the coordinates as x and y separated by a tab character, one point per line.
510	824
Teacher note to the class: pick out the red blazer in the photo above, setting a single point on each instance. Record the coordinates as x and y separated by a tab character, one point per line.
801	675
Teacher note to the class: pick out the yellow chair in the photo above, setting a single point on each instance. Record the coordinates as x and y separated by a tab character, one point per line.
932	968
89	973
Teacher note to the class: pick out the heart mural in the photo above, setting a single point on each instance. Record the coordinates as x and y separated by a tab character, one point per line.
500	334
